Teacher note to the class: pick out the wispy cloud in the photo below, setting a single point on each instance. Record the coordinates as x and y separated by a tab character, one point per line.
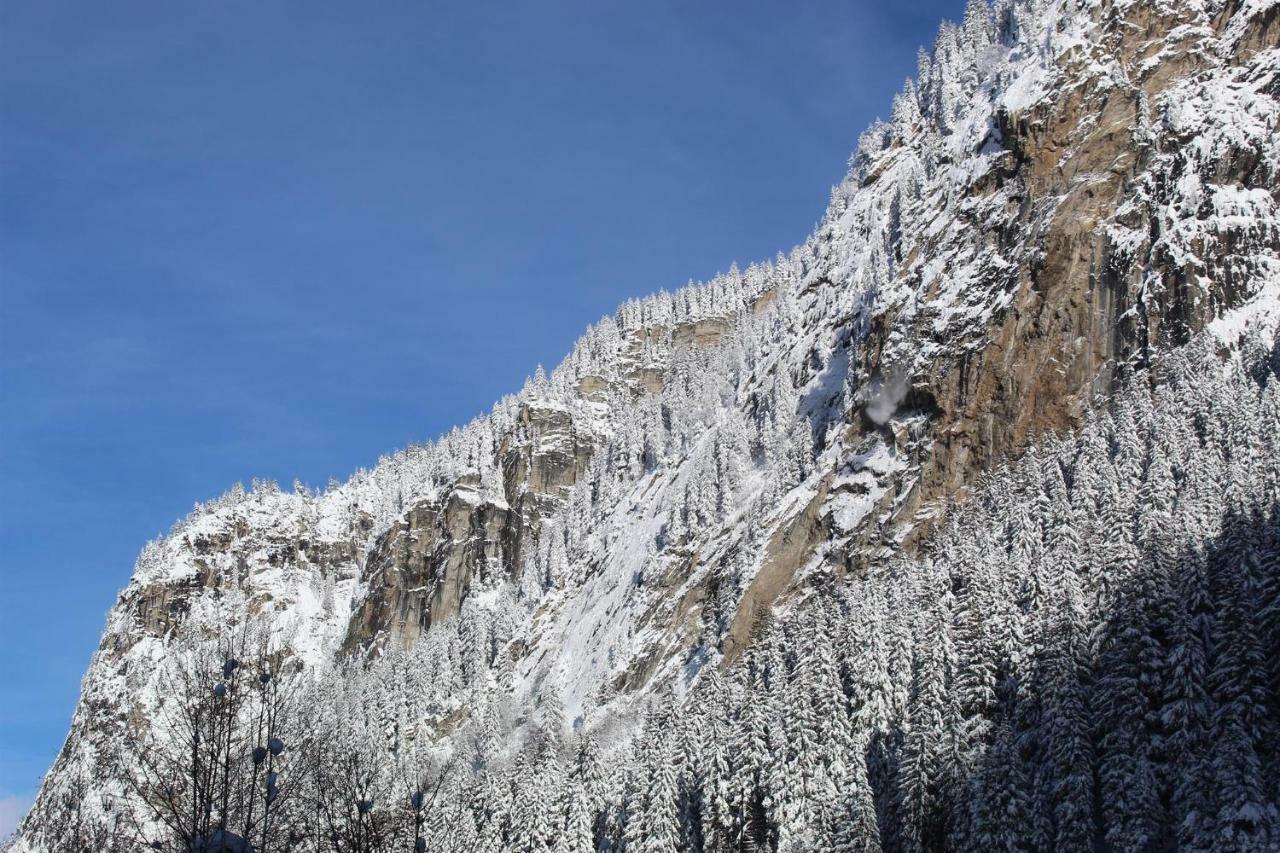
12	809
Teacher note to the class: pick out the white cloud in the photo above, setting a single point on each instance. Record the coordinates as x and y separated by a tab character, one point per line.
13	807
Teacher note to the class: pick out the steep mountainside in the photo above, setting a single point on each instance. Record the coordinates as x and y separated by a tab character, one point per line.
1071	197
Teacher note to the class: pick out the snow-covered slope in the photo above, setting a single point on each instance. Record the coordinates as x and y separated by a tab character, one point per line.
1069	191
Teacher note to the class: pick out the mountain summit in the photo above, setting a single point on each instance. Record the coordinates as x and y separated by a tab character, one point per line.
954	527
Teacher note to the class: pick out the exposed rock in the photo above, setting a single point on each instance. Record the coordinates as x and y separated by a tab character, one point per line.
794	543
647	380
420	571
1092	302
592	387
703	333
546	455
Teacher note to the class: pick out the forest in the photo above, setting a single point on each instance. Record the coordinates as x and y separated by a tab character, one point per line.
1083	659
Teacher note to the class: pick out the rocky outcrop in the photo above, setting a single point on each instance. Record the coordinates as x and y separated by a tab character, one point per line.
642	362
593	387
421	570
1117	220
705	332
793	544
230	556
545	455
1135	254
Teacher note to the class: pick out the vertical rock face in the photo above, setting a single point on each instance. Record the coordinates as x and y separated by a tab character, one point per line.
705	333
542	459
1119	217
420	570
1070	190
544	456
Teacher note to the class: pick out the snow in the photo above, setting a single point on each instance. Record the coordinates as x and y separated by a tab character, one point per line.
1259	318
861	489
730	434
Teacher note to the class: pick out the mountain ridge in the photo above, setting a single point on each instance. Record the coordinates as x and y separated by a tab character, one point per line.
1003	251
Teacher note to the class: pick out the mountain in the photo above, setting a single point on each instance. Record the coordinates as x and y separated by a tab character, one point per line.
952	528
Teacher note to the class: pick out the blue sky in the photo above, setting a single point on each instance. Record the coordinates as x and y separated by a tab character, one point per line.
279	239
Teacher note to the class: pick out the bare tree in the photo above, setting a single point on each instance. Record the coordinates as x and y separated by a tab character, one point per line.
208	770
